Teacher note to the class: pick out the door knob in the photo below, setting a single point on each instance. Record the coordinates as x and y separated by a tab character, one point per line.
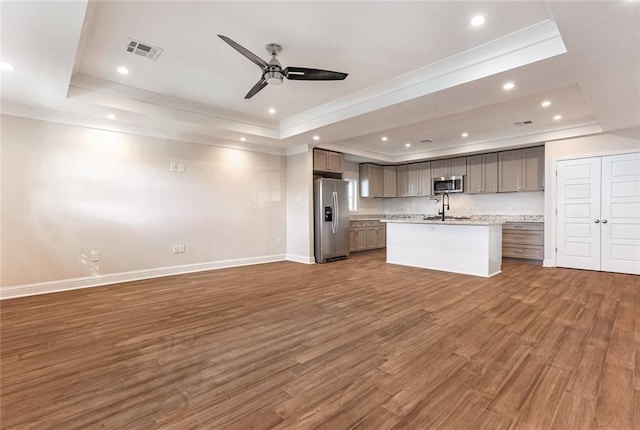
604	221
596	220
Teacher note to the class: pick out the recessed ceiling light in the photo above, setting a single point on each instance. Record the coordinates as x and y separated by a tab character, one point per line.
385	138
545	103
508	86
557	117
477	20
123	70
111	116
316	137
8	67
408	145
464	134
272	111
243	139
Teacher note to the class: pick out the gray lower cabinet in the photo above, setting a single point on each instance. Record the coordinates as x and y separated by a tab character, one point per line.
523	240
521	170
482	174
369	234
357	236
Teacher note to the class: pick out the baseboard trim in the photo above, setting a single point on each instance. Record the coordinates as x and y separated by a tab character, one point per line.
300	259
137	275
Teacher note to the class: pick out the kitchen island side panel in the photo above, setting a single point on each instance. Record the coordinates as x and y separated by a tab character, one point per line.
466	249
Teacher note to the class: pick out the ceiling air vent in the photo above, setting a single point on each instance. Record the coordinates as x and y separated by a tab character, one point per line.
521	123
144	50
425	141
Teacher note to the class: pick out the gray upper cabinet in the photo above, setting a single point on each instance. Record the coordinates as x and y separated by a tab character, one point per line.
482	174
505	171
533	169
419	179
449	167
370	180
389	181
327	161
402	180
521	170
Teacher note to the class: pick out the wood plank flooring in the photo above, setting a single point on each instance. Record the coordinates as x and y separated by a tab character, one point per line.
352	344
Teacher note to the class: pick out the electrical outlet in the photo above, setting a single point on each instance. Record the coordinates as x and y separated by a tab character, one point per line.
180	248
180	168
278	241
468	208
176	249
172	167
509	209
95	255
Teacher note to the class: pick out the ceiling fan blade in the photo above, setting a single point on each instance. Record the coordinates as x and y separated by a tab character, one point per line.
244	51
304	74
256	88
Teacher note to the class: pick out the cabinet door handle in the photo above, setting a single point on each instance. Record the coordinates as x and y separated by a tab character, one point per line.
596	220
604	221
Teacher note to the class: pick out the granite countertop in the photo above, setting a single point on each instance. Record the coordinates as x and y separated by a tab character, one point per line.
449	221
473	220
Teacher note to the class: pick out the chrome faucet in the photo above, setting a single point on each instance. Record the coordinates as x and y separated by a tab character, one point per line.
443	205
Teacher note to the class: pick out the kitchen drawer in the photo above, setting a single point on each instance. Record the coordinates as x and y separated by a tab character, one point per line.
523	240
523	237
528	252
517	226
357	224
374	223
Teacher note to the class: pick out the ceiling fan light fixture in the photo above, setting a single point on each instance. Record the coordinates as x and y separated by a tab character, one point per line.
273	77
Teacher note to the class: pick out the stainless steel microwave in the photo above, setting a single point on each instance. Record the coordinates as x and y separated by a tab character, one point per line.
452	184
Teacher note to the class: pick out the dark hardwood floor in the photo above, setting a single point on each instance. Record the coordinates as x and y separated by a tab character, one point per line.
351	344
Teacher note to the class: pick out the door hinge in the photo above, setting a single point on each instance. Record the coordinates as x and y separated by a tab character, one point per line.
556	249
556	211
556	173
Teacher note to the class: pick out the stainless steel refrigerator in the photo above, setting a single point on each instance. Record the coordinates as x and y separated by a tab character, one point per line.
331	219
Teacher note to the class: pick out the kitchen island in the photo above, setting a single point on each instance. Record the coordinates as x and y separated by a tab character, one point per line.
467	246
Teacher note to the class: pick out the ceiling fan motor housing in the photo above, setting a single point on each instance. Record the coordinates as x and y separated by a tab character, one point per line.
273	73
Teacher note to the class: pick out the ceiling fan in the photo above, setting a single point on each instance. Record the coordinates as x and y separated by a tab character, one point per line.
273	73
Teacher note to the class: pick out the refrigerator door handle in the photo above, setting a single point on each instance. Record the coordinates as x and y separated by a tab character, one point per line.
335	196
334	224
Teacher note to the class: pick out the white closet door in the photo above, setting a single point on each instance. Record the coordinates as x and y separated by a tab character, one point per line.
578	221
621	213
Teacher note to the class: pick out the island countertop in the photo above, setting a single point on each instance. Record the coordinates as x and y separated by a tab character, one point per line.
471	219
450	221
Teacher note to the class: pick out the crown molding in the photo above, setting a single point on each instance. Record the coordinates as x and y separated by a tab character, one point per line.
529	45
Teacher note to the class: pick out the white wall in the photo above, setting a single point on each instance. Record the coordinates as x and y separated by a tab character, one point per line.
68	190
300	207
596	145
